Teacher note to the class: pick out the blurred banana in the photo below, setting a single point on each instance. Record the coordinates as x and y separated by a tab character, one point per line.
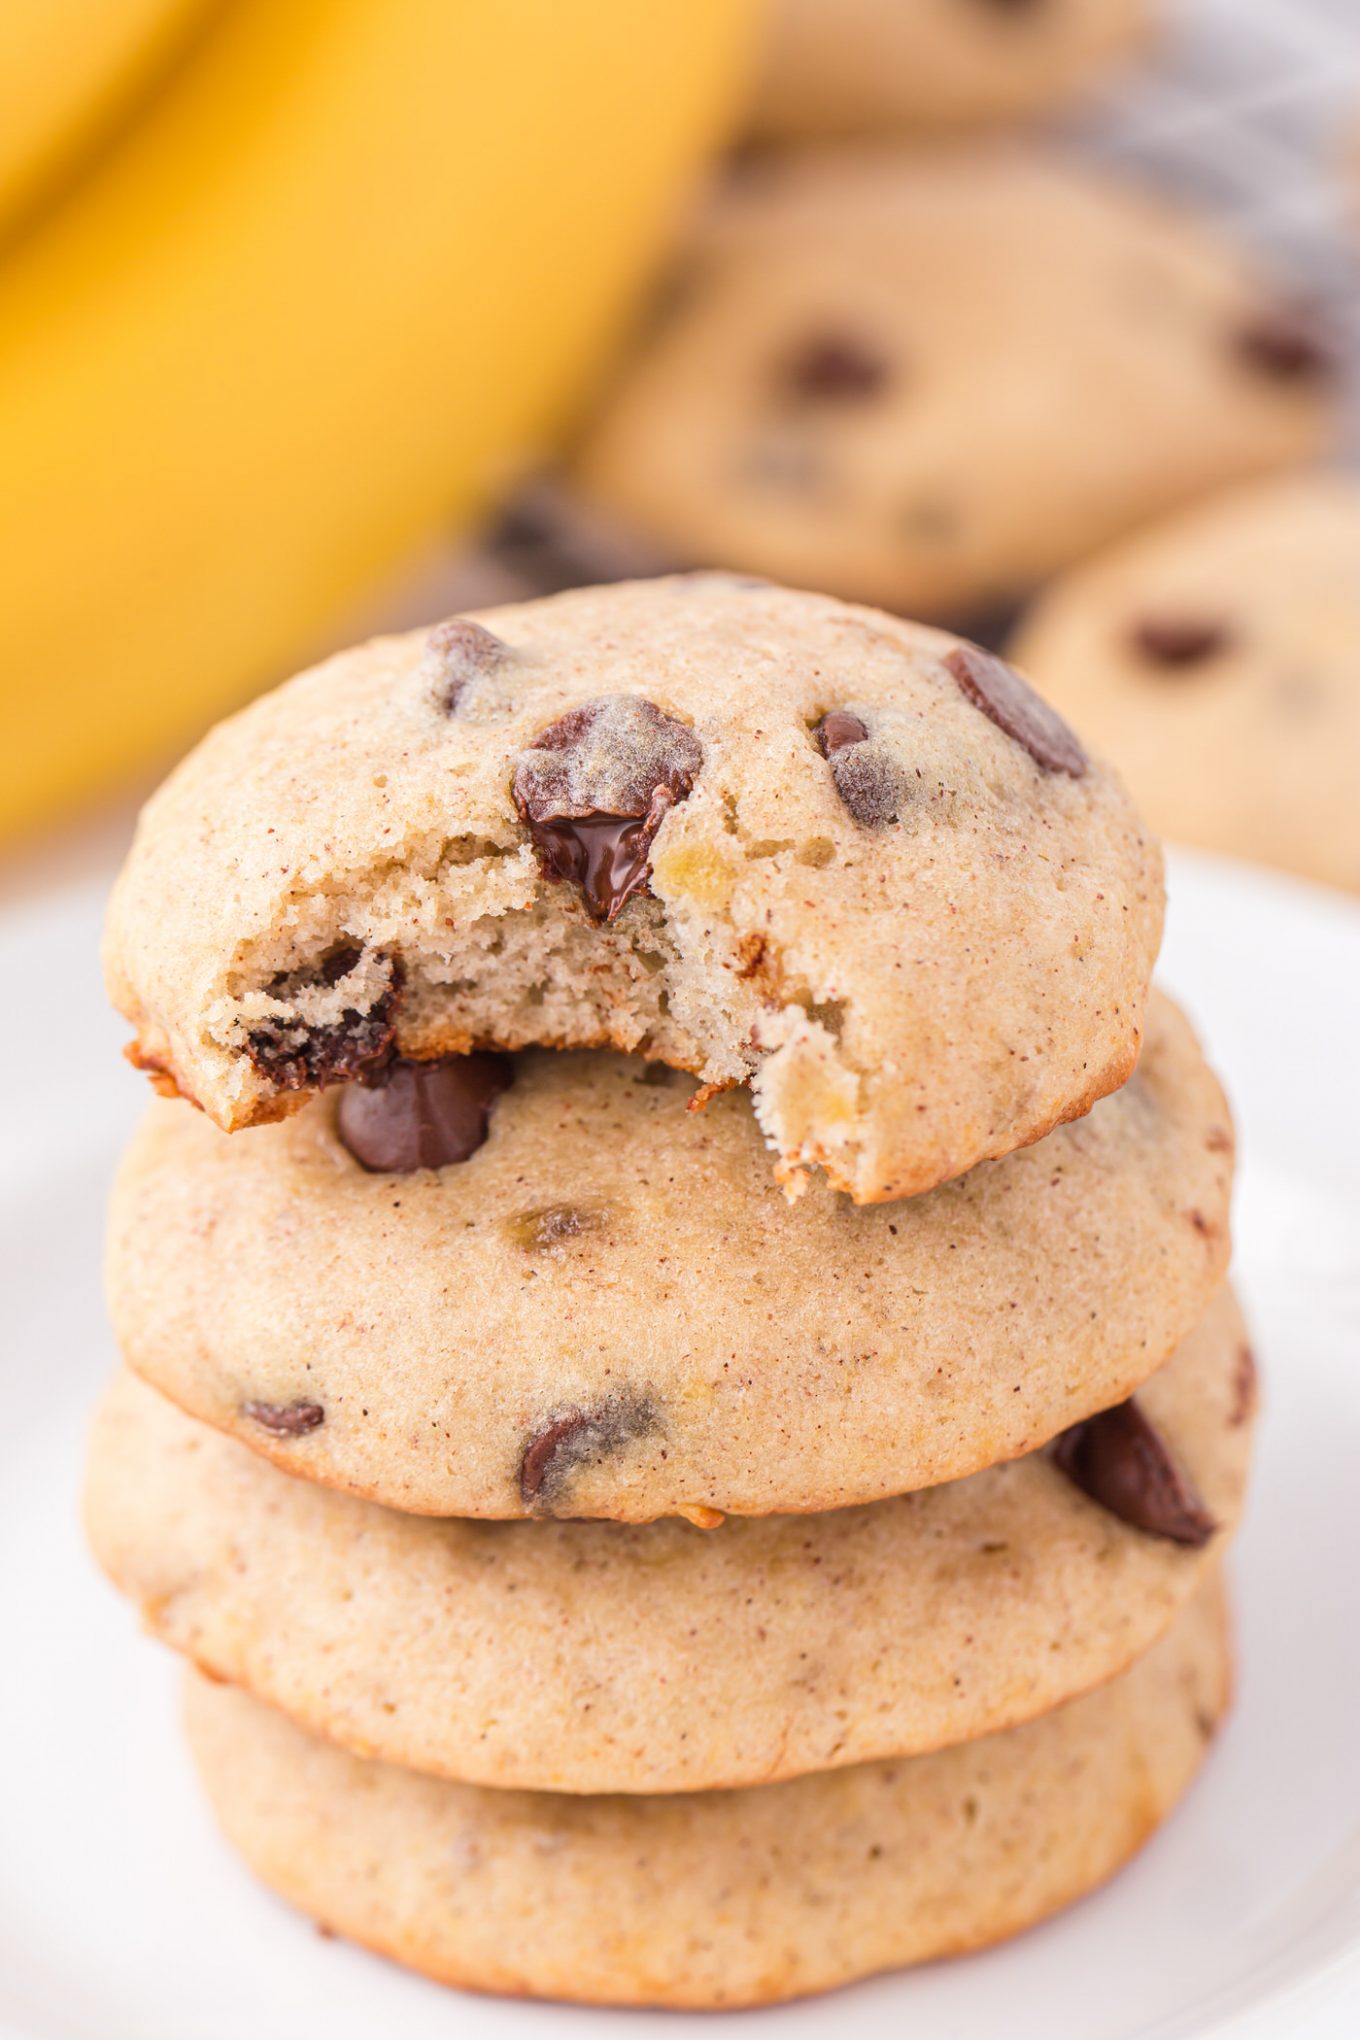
339	279
67	67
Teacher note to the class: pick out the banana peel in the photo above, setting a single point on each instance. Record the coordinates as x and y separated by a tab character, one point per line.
341	278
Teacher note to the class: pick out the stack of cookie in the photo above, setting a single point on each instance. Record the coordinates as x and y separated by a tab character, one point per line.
682	1392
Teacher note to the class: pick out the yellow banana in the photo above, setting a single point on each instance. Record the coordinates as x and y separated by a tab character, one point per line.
67	68
339	279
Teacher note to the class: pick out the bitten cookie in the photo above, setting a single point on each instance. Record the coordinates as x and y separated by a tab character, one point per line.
609	1309
842	66
753	834
725	1898
928	380
1217	656
665	1658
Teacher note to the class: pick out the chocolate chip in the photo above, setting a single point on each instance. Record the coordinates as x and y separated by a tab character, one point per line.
457	653
338	965
838	728
421	1115
869	779
287	1420
593	790
294	1055
540	1451
834	368
1122	1462
1011	703
579	1437
1284	343
1176	642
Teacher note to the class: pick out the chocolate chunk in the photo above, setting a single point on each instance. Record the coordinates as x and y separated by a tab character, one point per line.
540	1451
834	368
293	1055
838	728
287	1420
869	779
1011	703
593	790
579	1437
1176	642
457	653
338	965
421	1115
1284	343
871	784
1122	1462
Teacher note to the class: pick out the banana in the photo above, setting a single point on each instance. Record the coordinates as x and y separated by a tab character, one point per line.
68	68
345	274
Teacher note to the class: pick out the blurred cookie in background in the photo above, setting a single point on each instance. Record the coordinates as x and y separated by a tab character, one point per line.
835	67
544	540
927	381
1216	658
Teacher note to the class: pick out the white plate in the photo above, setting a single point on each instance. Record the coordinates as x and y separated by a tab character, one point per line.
122	1917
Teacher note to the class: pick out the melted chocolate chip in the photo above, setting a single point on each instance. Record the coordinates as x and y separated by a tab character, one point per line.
293	1056
834	368
579	1437
1175	642
1285	344
838	728
607	856
457	653
422	1115
1011	703
1121	1461
286	1420
594	789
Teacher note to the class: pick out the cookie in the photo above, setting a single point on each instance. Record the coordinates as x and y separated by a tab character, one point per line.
847	66
827	1640
929	380
609	1309
750	833
724	1898
1217	655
